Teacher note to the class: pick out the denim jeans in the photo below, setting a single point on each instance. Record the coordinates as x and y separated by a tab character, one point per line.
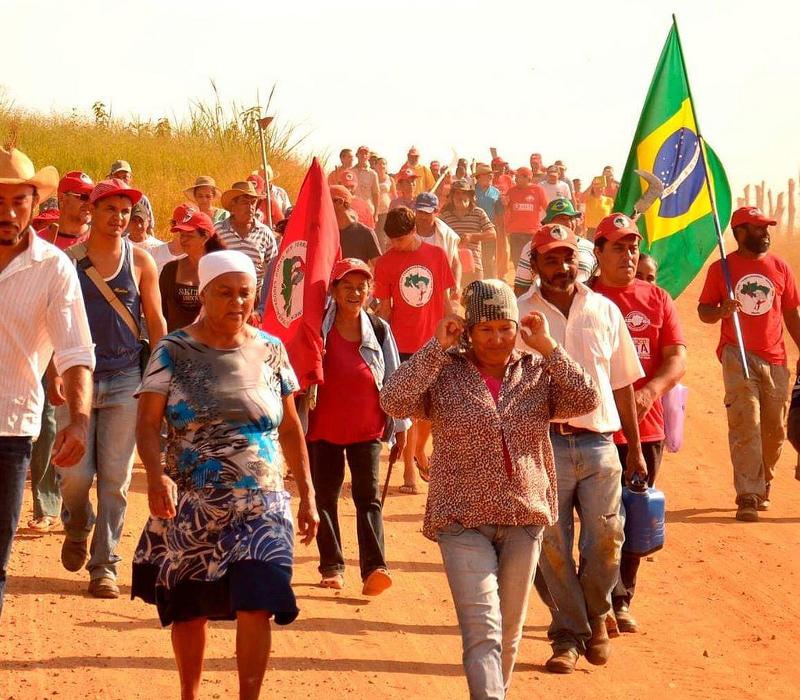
490	569
109	456
44	485
589	481
15	456
327	473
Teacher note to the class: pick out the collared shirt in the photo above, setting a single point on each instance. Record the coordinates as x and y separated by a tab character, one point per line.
489	201
596	337
259	245
366	184
42	313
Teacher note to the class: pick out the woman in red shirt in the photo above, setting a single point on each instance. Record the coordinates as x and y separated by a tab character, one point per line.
360	354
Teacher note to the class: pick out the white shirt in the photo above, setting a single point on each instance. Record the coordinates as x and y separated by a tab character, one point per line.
148	243
596	337
162	255
445	238
555	190
41	313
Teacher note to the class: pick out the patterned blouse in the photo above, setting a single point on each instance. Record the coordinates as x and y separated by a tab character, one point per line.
223	410
470	484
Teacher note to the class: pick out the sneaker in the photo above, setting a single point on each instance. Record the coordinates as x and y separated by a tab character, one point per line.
377	582
73	554
104	587
562	661
626	623
747	511
598	648
764	503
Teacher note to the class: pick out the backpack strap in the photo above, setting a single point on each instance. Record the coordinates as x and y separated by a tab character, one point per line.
378	327
78	253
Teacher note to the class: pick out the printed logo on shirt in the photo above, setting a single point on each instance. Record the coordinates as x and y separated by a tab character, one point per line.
287	286
558	233
642	346
755	293
637	322
416	285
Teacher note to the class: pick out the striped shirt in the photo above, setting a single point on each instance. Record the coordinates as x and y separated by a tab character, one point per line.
43	313
259	245
587	264
474	221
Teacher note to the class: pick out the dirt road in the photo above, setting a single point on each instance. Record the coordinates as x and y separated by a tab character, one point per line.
718	606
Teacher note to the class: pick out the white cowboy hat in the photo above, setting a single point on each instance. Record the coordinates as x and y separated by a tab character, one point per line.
17	169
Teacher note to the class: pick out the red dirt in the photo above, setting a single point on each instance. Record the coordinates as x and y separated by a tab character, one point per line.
718	606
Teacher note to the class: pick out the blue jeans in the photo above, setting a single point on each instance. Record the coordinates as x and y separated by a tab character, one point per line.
109	456
589	481
44	485
490	569
15	456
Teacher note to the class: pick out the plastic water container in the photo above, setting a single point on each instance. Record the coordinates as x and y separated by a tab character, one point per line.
645	510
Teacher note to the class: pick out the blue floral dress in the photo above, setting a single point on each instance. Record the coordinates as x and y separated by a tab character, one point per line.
230	545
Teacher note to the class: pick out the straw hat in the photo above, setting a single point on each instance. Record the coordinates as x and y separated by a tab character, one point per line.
203	181
237	189
17	169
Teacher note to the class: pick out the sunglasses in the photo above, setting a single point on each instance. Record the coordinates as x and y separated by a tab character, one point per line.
82	197
340	200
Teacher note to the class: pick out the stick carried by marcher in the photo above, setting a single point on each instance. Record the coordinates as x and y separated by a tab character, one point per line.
388	478
449	168
263	123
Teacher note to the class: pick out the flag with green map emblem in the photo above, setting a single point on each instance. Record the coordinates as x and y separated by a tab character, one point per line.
678	229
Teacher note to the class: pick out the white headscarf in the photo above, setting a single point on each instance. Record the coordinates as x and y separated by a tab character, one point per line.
215	264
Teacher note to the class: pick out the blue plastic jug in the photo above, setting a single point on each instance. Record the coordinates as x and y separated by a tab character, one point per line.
645	510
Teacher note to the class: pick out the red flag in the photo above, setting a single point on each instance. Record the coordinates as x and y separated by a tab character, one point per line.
296	296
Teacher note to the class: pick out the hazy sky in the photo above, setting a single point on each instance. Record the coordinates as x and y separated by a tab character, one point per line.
567	79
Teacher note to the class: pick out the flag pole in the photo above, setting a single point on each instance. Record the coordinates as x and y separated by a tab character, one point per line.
262	125
726	272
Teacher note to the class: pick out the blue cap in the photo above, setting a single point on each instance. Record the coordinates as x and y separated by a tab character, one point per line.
427	202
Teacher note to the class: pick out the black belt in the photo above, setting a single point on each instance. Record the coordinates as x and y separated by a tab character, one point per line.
567	429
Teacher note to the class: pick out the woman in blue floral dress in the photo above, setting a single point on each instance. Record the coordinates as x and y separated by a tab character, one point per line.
219	543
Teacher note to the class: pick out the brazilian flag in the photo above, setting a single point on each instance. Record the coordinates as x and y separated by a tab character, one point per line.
678	229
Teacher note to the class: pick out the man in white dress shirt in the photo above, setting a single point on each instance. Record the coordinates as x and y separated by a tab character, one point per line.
594	334
43	317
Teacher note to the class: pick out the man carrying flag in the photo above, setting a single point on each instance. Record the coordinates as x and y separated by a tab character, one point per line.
766	296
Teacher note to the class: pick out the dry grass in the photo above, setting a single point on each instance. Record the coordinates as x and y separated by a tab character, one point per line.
216	140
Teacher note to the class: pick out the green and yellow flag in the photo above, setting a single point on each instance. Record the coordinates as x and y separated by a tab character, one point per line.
678	228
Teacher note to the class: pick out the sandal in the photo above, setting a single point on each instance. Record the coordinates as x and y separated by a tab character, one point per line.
336	582
424	472
377	582
410	489
44	524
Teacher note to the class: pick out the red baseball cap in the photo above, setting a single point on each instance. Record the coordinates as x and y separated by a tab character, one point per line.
750	215
186	218
347	265
362	149
524	172
616	226
435	163
406	174
75	181
113	187
498	161
45	218
554	236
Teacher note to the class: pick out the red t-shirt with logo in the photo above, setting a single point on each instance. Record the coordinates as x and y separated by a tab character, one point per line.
525	209
652	320
765	288
417	283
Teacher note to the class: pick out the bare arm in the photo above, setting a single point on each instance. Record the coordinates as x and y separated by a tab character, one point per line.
626	407
150	295
488	234
792	320
668	374
70	444
161	490
293	444
712	313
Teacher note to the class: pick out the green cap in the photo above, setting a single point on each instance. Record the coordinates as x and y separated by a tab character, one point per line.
557	207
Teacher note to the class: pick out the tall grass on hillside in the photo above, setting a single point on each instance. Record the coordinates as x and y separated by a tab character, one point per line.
166	155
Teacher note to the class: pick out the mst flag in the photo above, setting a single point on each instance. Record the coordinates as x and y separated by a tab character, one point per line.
299	287
679	228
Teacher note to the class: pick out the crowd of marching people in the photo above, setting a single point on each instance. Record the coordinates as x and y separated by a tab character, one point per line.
469	301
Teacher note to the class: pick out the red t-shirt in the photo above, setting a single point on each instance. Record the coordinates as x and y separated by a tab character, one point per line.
525	209
63	241
347	409
503	183
363	212
493	384
417	283
765	288
652	321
